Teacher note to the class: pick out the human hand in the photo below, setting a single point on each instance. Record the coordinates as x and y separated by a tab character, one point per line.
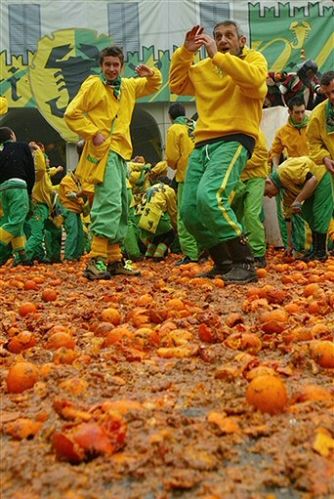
98	139
143	70
60	168
33	146
209	44
296	207
329	164
191	41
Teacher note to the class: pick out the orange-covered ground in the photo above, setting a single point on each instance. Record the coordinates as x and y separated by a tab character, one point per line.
167	385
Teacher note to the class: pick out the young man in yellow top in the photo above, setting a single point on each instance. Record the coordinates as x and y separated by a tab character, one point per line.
291	142
179	146
101	114
320	131
72	201
291	138
308	191
229	87
42	205
249	205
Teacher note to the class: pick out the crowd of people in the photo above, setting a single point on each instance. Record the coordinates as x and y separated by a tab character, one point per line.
120	210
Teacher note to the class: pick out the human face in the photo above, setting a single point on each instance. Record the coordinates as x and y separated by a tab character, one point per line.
297	113
328	90
270	189
228	40
111	67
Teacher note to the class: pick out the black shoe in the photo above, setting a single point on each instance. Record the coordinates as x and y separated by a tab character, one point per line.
96	269
216	271
241	273
120	268
319	248
184	261
260	262
243	269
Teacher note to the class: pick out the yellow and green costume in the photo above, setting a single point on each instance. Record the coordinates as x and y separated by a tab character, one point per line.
98	109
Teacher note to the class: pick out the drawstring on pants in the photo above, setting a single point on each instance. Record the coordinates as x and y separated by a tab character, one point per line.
207	152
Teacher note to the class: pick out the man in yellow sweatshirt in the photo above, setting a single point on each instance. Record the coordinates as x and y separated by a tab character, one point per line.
101	114
158	220
249	206
291	141
229	87
72	201
308	191
42	205
179	146
320	131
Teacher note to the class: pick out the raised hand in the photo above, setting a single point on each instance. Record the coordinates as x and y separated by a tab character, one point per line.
143	70
192	42
208	42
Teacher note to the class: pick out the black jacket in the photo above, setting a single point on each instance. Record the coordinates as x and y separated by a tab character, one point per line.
16	161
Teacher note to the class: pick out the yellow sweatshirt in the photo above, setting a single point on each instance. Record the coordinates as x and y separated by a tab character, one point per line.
42	190
179	146
3	105
229	91
257	166
292	175
290	140
163	200
95	109
321	143
70	186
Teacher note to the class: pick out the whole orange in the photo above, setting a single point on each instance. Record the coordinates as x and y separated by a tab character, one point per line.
267	394
21	376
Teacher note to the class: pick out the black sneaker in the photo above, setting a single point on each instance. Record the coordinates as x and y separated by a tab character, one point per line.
241	273
216	271
96	269
184	261
120	268
260	262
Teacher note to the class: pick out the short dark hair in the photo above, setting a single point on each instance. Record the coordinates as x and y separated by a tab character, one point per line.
229	22
176	109
327	78
5	134
113	51
297	100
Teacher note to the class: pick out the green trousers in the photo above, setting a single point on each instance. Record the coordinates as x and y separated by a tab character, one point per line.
187	242
318	209
52	241
249	211
163	227
280	217
213	172
109	213
35	244
74	242
15	205
131	246
299	227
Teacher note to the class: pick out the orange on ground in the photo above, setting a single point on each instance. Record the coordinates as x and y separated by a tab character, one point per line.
323	353
267	394
21	376
27	308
